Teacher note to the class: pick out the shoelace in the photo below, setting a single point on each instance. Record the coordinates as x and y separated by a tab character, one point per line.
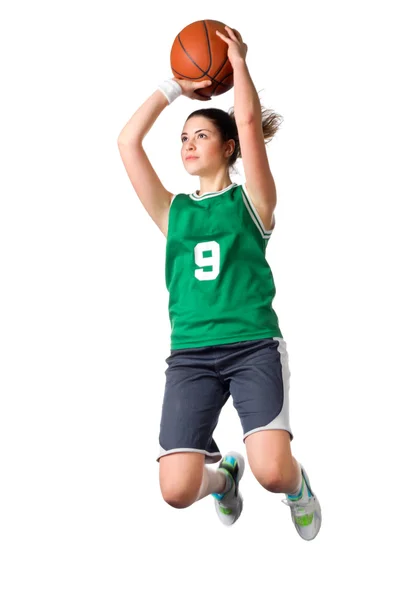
300	507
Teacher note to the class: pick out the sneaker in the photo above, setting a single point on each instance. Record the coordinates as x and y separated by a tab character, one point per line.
306	510
229	504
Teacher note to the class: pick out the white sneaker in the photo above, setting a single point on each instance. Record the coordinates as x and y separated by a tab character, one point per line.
229	505
306	510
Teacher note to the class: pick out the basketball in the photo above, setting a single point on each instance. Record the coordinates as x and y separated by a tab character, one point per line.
198	53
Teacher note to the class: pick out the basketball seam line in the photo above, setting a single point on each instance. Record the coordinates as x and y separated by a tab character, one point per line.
204	72
208	45
219	83
221	67
209	76
191	59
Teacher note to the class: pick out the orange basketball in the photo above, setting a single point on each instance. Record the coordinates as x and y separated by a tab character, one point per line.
198	53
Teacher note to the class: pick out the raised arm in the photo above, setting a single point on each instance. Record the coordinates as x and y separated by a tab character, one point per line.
259	179
155	198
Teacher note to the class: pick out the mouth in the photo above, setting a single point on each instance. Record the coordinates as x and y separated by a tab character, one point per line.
191	158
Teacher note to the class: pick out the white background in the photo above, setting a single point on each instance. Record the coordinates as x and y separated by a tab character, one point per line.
84	328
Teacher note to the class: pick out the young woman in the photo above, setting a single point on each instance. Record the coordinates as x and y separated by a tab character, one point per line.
225	337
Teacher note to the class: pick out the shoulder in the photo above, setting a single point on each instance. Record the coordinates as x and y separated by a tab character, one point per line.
179	196
263	213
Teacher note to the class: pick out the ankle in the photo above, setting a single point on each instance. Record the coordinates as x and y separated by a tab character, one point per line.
228	481
226	486
214	482
297	490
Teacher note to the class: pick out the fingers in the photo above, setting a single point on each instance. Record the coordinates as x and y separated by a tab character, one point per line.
234	33
201	85
226	39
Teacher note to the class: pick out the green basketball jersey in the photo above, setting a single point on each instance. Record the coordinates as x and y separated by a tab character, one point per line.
220	284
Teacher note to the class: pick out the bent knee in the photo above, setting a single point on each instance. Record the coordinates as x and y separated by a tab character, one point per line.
180	492
274	478
178	496
180	479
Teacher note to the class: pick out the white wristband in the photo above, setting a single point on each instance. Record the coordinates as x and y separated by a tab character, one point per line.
170	89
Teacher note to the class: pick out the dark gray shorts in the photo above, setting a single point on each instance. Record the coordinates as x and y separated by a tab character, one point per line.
199	381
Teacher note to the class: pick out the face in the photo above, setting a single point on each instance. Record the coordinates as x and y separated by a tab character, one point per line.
203	151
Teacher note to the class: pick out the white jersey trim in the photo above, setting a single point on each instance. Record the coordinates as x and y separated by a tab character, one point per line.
266	233
198	198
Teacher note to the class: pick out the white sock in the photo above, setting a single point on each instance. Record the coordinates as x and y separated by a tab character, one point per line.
213	482
299	488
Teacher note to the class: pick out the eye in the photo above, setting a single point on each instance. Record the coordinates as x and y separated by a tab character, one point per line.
184	137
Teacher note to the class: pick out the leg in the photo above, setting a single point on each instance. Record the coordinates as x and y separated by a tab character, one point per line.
193	399
259	377
184	479
271	461
273	465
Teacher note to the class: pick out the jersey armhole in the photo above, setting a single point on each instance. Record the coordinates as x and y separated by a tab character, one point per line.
266	233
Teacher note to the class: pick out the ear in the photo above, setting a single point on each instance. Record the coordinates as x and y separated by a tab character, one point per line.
230	148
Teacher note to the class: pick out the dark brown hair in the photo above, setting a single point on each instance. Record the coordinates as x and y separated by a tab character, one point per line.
226	125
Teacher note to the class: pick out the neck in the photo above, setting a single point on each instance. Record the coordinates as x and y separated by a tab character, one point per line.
214	183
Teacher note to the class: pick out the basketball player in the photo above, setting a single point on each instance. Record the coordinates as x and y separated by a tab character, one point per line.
225	337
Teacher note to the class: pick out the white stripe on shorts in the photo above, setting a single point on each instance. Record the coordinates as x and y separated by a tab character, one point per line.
282	421
210	457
